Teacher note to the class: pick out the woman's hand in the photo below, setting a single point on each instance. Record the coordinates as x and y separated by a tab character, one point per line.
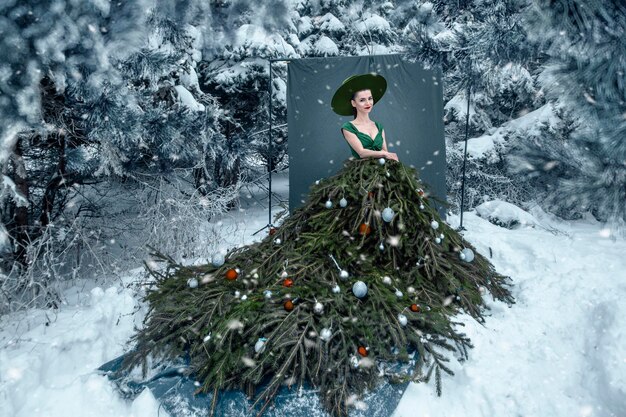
391	155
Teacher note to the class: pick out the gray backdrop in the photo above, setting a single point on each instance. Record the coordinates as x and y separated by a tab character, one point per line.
411	112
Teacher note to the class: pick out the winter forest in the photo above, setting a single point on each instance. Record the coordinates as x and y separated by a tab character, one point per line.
134	127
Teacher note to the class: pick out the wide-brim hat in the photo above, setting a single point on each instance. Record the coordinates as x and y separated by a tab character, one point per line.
341	99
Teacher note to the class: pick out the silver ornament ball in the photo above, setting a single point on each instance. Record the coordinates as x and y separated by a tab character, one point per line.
192	282
325	334
359	289
467	255
259	346
217	260
318	308
343	202
388	214
354	361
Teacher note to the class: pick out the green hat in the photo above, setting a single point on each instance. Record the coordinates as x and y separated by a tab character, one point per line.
372	81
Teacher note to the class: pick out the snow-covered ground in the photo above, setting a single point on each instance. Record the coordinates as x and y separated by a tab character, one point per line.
559	351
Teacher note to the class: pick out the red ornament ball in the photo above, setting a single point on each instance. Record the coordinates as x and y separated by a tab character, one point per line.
365	229
288	282
272	231
288	305
231	274
415	308
362	351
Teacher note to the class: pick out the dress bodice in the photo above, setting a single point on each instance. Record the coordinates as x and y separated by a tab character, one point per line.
375	144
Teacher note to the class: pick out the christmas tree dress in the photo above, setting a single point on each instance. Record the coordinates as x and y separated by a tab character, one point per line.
363	275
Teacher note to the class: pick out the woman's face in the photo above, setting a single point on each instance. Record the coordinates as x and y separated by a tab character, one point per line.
363	101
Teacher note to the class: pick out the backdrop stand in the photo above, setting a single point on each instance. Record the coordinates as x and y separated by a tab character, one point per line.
469	87
269	224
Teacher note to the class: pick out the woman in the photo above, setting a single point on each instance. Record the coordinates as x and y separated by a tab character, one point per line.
357	96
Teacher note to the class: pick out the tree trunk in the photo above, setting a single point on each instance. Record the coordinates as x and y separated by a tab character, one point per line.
21	221
47	204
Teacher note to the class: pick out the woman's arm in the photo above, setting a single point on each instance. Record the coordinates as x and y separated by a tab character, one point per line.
391	155
355	143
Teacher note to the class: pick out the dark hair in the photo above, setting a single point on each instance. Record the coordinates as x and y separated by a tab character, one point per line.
353	95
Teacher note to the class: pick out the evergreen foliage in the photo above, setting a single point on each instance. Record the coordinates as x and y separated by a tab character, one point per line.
483	46
219	321
585	42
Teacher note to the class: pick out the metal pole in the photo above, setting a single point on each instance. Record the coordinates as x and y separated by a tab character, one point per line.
269	154
469	86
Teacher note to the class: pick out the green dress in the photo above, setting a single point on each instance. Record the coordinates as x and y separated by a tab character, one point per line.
375	144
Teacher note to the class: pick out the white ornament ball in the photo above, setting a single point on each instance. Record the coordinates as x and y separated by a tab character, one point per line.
421	207
381	161
343	202
381	247
344	274
217	260
329	204
237	294
437	240
441	236
388	214
467	255
354	361
359	289
259	346
336	289
192	282
278	241
410	290
267	294
317	182
325	334
398	293
386	280
434	224
402	319
244	297
318	308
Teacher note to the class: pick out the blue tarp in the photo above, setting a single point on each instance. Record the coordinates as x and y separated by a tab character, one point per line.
175	392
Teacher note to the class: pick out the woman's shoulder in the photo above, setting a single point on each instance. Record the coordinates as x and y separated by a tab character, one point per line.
348	126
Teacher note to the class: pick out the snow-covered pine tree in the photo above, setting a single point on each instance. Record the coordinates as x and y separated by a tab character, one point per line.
44	48
585	41
330	28
482	44
55	39
235	71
